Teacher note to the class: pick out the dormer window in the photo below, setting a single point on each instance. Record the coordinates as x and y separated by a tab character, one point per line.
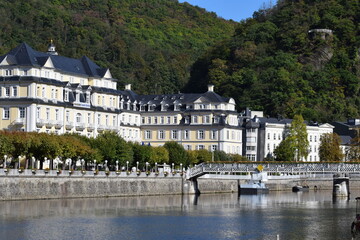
66	96
8	72
152	107
142	107
216	119
177	107
164	107
187	120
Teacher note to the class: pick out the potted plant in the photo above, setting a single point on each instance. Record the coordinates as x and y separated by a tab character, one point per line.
83	172
21	169
33	170
71	172
147	173
128	172
107	173
166	173
96	172
156	173
138	172
118	172
46	170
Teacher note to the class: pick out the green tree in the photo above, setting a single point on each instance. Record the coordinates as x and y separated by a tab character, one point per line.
329	149
299	138
159	155
285	151
177	153
353	150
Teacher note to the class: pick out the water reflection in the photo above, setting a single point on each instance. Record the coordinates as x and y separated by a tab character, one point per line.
308	215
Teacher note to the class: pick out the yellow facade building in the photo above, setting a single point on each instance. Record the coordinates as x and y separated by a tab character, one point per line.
45	92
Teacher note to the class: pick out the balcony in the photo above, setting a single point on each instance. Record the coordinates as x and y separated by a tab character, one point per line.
41	122
90	127
80	126
19	121
69	125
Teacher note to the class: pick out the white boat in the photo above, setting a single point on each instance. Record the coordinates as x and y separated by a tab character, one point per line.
256	185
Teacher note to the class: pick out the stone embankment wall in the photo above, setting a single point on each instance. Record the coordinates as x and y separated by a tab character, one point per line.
16	188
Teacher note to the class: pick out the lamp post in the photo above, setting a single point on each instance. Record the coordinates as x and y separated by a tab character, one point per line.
82	164
117	165
156	167
32	162
181	169
94	165
106	165
172	167
5	158
127	166
45	159
19	162
146	164
137	166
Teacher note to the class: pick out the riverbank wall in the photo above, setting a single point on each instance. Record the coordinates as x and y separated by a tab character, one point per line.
54	185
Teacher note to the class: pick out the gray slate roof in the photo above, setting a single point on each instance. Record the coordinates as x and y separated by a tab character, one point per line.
24	55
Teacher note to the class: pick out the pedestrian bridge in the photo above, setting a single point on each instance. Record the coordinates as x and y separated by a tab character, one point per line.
272	168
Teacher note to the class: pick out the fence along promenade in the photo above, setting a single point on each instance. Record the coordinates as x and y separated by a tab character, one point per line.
273	168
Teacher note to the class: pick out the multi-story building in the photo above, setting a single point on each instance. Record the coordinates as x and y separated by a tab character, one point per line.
45	92
264	134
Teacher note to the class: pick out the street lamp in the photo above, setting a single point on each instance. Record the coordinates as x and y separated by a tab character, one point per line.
146	166
106	165
82	164
181	169
127	166
32	162
156	167
137	166
117	165
172	167
5	157
19	162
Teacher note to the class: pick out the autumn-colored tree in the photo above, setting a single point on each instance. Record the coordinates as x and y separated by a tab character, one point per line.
330	149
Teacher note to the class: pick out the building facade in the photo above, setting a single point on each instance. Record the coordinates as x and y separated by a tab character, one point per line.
45	92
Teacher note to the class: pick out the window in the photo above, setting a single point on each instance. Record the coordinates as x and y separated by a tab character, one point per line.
52	93
175	120
67	116
47	113
174	134
56	114
216	119
213	134
162	120
252	148
315	139
206	119
106	120
195	119
268	146
186	134
279	136
15	91
187	147
143	120
78	117
56	93
268	136
147	134
142	107
274	136
250	130
43	92
38	112
66	97
161	134
89	117
251	139
200	147
310	138
8	72
149	120
21	112
200	134
155	120
99	118
6	113
7	91
168	120
213	148
114	121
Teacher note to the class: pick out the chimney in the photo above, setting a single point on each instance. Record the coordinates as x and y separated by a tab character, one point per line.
128	87
210	88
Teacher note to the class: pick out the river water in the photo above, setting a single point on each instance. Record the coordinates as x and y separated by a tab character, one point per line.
282	215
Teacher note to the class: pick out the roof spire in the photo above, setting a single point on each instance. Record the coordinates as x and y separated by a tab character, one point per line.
51	48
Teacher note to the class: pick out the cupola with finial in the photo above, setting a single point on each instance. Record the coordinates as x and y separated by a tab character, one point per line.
51	48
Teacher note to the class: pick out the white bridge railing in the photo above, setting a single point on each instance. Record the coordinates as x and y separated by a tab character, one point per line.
281	168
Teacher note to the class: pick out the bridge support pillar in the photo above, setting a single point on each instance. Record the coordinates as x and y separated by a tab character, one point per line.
190	186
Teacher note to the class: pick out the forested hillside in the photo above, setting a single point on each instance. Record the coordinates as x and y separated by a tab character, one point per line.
273	63
149	43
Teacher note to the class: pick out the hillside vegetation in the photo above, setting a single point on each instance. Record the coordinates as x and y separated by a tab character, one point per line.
149	43
273	63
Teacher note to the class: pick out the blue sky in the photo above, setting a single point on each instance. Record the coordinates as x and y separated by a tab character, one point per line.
231	9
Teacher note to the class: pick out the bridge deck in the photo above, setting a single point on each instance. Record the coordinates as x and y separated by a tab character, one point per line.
280	168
